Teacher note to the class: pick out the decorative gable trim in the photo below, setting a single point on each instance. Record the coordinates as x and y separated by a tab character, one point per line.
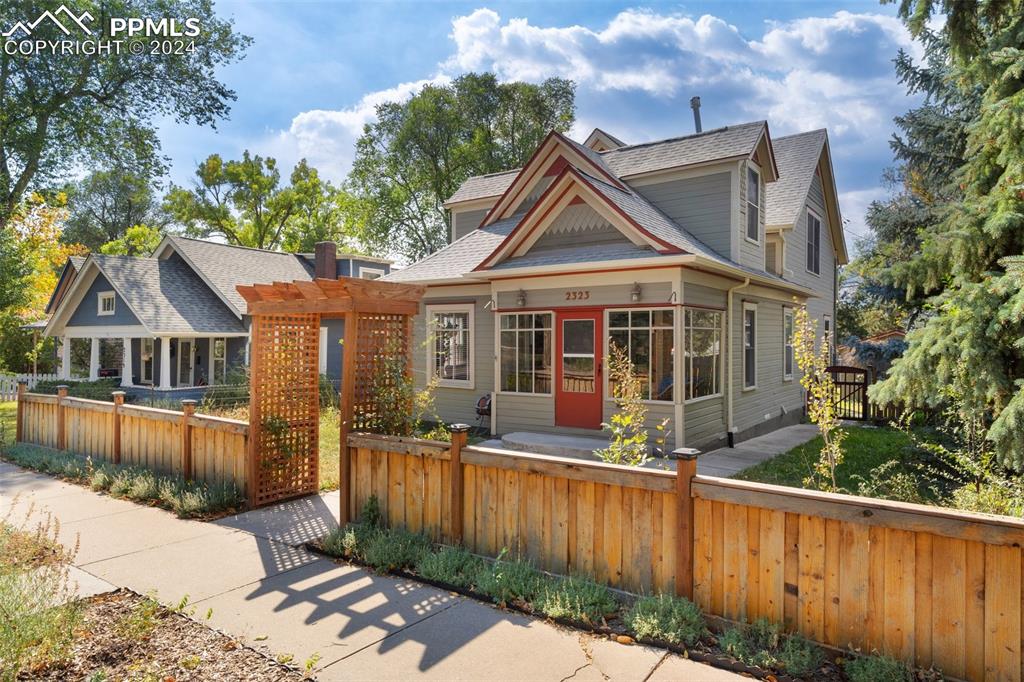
764	156
835	218
601	141
568	188
556	150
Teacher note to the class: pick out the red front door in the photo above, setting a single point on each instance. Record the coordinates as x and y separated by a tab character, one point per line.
578	363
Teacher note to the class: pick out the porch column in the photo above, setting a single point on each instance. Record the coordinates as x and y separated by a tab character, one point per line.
165	362
65	357
126	362
94	360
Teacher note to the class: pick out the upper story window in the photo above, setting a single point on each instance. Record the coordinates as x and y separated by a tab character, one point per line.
702	352
370	273
450	349
753	205
526	345
105	303
813	243
647	335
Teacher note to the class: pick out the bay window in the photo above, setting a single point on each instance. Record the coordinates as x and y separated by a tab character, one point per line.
702	355
648	337
450	347
526	343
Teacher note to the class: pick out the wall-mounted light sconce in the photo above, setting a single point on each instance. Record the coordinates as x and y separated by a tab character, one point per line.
521	298
672	298
635	294
490	304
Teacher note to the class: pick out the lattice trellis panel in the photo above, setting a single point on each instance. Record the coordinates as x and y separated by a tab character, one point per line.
284	406
381	400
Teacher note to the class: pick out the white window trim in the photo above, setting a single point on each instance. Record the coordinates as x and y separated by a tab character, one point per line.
787	312
807	241
748	306
521	393
105	296
606	345
322	365
213	380
746	202
469	384
142	360
376	271
721	355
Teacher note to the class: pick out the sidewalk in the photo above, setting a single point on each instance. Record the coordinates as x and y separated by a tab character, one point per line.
262	586
726	462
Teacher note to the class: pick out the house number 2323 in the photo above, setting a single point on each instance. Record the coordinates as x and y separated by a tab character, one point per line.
577	295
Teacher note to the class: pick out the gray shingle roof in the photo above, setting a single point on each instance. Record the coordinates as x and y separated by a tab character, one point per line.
797	157
720	143
459	257
167	296
578	254
226	266
479	186
77	261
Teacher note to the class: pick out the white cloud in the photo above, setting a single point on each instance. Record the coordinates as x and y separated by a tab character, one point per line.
854	205
636	73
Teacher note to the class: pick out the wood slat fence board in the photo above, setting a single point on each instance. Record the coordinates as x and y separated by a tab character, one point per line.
936	587
150	438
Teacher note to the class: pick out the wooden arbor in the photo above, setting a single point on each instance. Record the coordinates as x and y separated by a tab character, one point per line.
284	399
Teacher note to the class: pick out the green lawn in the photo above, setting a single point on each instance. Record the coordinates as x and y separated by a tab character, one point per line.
7	411
865	448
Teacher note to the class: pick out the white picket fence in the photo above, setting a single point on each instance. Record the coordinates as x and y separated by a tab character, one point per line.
9	383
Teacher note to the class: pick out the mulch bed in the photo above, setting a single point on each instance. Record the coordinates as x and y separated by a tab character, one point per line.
124	637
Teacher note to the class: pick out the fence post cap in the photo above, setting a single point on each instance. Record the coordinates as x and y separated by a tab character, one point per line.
684	453
62	388
23	382
459	428
118	393
188	402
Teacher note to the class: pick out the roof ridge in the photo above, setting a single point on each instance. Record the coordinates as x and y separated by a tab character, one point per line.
800	134
702	133
233	246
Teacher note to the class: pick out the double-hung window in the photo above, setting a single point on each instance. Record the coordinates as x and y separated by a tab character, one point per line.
526	344
813	243
647	335
749	345
218	361
702	355
753	205
450	346
787	343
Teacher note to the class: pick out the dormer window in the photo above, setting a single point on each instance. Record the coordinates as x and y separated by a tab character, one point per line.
753	205
105	303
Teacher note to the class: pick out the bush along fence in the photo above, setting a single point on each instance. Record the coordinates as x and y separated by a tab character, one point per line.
197	447
927	585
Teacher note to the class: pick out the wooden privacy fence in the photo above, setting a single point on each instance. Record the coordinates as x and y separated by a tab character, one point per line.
925	584
198	447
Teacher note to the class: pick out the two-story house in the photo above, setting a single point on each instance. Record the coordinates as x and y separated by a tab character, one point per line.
689	252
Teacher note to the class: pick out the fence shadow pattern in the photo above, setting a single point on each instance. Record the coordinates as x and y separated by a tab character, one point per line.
932	586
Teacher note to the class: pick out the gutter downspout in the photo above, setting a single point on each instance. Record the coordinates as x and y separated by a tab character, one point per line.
731	427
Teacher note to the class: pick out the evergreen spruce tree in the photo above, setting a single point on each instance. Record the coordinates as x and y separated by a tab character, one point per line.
974	307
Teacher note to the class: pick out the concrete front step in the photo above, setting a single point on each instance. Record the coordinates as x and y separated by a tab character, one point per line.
580	447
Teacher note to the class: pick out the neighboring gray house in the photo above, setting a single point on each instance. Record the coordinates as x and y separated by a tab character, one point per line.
689	252
174	321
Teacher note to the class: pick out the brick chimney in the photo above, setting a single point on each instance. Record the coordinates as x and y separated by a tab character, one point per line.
326	260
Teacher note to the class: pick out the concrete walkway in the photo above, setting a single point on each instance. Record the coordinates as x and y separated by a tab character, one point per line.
263	587
725	462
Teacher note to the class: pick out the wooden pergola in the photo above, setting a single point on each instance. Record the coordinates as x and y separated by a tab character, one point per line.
284	400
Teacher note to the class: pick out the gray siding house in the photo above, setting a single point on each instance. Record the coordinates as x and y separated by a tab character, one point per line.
174	322
691	253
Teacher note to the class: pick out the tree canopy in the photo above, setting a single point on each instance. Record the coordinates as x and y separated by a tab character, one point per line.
974	309
418	152
61	111
105	204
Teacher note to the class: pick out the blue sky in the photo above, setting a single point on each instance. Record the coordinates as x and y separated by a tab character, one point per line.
315	70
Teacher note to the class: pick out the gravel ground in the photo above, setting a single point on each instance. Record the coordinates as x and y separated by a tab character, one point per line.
125	636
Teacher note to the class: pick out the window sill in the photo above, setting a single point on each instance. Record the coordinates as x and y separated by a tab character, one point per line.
703	398
645	402
788	379
526	395
456	384
107	314
755	242
812	272
747	389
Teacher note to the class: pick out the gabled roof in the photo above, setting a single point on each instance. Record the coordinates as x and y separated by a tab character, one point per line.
800	156
67	276
601	141
224	267
797	156
458	258
720	144
166	296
